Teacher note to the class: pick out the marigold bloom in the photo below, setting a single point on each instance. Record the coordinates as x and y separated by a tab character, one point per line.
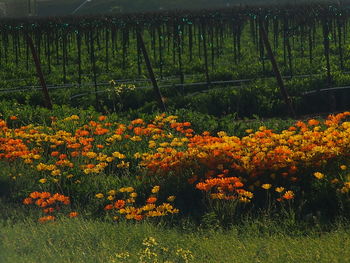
171	198
133	195
279	189
151	200
266	186
288	195
119	204
318	175
55	153
73	214
108	207
46	218
155	189
110	197
99	195
343	167
34	195
28	201
313	122
102	118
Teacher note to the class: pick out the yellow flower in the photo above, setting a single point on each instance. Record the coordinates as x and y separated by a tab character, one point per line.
130	189
318	175
266	186
91	155
136	138
36	156
112	192
110	197
118	155
221	134
123	164
41	167
343	167
279	189
130	200
244	200
133	195
56	172
126	189
151	144
171	198
344	190
155	189
129	216
249	130
137	155
109	159
335	180
43	180
99	195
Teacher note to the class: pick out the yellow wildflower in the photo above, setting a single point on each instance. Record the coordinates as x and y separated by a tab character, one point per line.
43	180
279	189
266	186
155	189
171	198
99	195
318	175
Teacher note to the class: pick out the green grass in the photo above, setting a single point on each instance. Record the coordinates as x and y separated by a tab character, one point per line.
81	240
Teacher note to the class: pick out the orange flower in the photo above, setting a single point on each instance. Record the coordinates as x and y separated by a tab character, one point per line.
288	195
13	118
53	154
108	207
46	218
313	122
28	201
119	204
35	195
138	217
102	118
49	210
74	154
73	214
62	156
151	200
45	195
137	121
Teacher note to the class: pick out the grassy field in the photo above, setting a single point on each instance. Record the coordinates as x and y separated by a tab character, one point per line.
84	240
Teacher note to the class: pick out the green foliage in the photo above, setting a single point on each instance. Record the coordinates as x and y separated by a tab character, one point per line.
82	240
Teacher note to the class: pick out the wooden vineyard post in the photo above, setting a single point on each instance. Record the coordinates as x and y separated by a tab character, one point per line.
47	98
205	54
325	29
150	71
276	70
